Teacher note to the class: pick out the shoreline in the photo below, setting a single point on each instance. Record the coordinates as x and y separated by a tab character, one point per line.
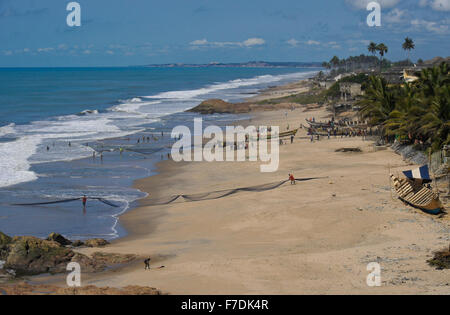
281	242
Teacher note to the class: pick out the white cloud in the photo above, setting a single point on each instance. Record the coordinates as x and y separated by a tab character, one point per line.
293	42
438	5
199	42
110	52
395	16
254	41
48	49
362	4
431	26
312	42
87	52
7	52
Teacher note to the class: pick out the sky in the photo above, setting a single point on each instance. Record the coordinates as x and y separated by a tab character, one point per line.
34	33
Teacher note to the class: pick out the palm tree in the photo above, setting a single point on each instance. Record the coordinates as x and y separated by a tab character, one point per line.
382	50
434	121
335	61
378	102
408	45
326	65
372	48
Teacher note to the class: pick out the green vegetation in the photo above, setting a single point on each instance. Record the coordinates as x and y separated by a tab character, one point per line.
353	63
304	98
335	90
412	111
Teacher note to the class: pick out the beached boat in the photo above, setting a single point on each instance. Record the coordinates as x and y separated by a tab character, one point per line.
414	190
287	133
282	134
317	124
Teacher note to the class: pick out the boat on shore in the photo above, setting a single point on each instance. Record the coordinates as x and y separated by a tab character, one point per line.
415	191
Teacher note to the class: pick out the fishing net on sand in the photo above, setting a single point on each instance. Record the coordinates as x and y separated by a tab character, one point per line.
190	198
219	193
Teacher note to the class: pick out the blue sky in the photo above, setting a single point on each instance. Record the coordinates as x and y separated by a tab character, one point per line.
136	32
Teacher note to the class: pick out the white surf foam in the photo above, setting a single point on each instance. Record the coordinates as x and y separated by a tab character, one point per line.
133	106
124	119
14	165
233	84
6	130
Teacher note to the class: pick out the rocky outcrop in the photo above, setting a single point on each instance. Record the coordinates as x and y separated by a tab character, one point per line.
77	243
28	255
218	106
59	239
410	154
96	242
5	240
29	289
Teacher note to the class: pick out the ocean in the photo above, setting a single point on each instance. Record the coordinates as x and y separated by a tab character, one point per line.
52	120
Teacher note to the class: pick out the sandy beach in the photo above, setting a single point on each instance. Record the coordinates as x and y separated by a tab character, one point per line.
315	237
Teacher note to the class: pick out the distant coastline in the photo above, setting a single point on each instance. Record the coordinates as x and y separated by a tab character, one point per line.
249	64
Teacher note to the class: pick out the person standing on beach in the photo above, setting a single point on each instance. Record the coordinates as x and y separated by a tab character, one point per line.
292	139
292	179
147	264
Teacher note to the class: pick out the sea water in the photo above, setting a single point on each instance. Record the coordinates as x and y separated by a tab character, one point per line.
53	119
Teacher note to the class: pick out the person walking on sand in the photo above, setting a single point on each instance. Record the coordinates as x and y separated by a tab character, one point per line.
147	264
292	179
292	139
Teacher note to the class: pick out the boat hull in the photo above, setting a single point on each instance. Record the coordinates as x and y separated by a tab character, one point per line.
420	197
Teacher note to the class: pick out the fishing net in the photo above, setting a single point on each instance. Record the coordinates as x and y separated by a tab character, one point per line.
220	193
191	197
64	201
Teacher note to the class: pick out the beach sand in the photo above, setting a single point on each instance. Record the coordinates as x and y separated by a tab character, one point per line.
315	237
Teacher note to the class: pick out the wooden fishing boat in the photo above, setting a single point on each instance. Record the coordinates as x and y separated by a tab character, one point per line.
417	195
287	133
317	124
282	134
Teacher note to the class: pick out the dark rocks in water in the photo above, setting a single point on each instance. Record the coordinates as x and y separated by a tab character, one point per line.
59	239
96	242
218	106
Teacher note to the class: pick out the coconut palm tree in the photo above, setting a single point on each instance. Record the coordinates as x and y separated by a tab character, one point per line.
335	61
413	111
408	45
382	50
372	48
326	65
378	102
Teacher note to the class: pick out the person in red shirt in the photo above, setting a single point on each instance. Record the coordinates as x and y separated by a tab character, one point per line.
84	199
292	179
